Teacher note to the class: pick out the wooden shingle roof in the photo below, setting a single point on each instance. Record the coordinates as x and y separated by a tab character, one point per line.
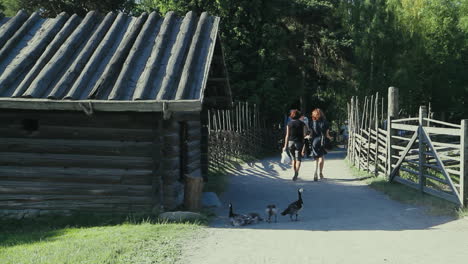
113	62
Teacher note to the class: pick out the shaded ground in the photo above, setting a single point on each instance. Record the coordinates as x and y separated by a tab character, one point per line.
343	221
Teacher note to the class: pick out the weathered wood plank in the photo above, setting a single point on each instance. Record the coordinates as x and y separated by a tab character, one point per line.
441	164
405	152
68	118
7	30
85	133
382	168
435	178
443	131
443	195
405	120
172	75
27	198
382	132
134	64
409	171
442	123
23	62
155	62
67	80
103	86
406	182
87	147
101	105
77	205
78	175
62	57
401	138
21	187
404	127
49	52
444	157
187	79
446	145
82	161
398	147
464	162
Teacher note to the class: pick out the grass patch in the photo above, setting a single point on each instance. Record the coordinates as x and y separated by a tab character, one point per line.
92	240
405	194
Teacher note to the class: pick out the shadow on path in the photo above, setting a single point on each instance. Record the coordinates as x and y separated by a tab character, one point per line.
339	202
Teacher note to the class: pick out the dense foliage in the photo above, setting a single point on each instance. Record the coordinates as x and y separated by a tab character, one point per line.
285	54
51	8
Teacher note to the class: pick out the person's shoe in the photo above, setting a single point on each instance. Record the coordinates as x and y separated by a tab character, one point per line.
315	177
295	176
321	176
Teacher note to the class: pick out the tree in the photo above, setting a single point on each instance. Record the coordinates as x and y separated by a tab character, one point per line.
51	8
9	7
278	52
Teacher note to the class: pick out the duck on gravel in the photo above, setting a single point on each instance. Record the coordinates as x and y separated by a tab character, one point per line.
242	219
294	207
255	218
270	212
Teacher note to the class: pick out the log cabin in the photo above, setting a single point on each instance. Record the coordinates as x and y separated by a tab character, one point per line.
107	112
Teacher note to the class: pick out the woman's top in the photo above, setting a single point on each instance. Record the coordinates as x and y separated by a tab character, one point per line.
296	130
319	127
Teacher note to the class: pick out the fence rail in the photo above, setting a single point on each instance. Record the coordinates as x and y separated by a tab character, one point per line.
239	133
420	152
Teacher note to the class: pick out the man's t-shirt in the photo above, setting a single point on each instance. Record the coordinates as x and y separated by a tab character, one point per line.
296	130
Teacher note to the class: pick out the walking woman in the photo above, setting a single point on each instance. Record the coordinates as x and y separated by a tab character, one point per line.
320	134
294	140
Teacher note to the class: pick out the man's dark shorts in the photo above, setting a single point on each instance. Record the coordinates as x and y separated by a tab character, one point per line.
295	148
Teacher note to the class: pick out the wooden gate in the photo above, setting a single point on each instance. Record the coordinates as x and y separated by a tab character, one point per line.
427	154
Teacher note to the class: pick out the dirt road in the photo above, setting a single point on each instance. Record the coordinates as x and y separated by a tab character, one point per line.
343	221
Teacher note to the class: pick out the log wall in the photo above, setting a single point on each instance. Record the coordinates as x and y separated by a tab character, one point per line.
106	162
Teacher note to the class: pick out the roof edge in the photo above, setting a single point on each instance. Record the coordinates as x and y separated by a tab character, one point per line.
102	105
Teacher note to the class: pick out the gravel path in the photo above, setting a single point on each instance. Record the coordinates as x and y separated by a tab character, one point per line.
343	221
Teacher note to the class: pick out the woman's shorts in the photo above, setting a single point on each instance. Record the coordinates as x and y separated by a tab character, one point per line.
295	147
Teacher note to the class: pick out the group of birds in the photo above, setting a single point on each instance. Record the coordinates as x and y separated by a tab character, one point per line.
271	211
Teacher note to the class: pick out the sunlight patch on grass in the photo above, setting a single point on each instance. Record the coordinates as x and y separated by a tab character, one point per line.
124	243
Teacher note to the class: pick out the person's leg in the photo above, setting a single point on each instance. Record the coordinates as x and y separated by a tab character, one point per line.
298	165
297	158
321	164
296	170
292	151
316	169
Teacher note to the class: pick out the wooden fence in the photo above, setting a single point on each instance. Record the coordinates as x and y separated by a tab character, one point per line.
239	133
426	154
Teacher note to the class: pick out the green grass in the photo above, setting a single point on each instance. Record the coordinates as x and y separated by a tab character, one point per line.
71	240
405	194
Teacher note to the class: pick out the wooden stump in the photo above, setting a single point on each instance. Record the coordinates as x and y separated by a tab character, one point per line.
193	191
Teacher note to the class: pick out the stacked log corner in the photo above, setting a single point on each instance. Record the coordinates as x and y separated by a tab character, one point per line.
193	176
172	188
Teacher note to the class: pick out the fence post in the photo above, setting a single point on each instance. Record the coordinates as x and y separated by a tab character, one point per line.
369	130
422	149
376	124
361	138
350	131
356	131
392	112
464	161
